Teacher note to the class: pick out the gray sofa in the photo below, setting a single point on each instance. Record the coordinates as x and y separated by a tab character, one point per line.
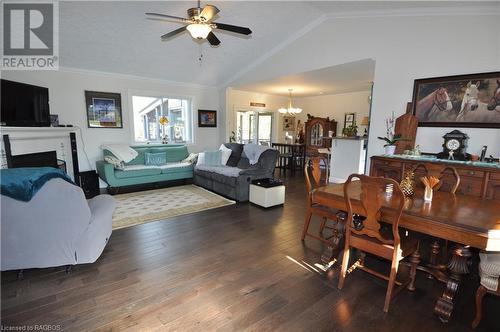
233	179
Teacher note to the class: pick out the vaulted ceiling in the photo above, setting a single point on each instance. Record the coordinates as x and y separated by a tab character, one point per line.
117	37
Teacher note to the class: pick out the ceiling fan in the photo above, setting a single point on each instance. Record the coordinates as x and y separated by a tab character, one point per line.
199	24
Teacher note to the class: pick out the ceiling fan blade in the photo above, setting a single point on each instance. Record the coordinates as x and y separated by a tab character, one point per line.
173	33
209	12
184	20
233	28
212	39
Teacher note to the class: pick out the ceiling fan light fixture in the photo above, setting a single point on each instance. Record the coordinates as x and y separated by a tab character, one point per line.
199	31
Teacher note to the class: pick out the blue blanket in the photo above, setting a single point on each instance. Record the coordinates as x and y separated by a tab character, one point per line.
23	183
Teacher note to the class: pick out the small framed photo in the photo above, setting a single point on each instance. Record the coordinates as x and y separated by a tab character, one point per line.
104	109
54	120
349	119
207	118
288	123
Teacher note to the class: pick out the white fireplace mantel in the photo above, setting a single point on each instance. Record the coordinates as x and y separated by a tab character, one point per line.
39	139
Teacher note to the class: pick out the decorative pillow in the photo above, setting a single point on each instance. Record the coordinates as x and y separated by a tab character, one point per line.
190	159
236	155
118	164
226	153
155	159
210	158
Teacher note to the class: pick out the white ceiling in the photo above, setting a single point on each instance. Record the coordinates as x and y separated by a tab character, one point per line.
349	77
117	37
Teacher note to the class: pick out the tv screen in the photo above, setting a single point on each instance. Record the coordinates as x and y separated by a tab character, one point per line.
24	105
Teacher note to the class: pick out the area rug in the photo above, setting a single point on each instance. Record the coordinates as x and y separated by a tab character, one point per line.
146	206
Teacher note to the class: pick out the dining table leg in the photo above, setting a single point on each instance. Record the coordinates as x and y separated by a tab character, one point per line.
458	266
332	250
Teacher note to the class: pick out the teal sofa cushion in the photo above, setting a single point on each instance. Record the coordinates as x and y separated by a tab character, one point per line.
137	173
177	169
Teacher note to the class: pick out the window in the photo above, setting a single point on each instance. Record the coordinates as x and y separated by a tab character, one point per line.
147	114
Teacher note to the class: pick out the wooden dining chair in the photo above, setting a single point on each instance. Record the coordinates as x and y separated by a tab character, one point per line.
440	172
369	236
314	180
489	272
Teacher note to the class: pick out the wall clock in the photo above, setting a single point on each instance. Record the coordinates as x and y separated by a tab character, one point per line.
454	146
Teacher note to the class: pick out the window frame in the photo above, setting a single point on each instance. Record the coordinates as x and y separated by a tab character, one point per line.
158	94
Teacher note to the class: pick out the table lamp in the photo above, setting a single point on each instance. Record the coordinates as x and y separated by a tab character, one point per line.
365	122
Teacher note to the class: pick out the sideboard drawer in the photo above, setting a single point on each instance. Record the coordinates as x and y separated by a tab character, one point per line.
470	173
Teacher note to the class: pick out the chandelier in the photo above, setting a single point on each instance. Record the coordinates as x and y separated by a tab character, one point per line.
290	109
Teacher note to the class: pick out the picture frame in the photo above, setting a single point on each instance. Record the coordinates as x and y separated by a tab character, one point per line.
468	101
207	118
349	119
104	110
288	123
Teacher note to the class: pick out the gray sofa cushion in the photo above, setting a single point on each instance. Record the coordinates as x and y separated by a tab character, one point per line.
236	149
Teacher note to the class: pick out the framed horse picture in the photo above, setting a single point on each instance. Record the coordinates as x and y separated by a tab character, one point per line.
458	101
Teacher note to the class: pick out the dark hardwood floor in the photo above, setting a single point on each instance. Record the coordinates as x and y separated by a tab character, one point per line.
230	269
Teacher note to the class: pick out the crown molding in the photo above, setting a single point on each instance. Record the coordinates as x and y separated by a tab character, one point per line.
82	71
490	9
482	9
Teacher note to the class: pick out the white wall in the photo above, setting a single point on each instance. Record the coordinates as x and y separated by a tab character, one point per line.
404	48
335	106
67	99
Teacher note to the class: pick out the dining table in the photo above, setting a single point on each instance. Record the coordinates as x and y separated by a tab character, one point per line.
467	221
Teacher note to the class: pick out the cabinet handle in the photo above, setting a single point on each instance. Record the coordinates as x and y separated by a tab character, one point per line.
472	172
386	163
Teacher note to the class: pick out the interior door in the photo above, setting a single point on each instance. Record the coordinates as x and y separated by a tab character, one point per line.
254	127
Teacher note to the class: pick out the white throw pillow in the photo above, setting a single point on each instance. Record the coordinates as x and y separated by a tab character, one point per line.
121	151
191	158
226	153
118	164
201	158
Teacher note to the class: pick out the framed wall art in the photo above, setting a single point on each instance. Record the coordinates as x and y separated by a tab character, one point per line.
458	101
207	118
288	123
104	109
349	119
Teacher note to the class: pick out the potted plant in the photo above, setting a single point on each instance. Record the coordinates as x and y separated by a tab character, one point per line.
350	131
390	137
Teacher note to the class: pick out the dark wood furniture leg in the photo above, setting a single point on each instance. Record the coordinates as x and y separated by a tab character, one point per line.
481	291
458	266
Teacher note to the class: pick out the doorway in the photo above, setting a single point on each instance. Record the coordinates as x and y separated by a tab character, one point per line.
254	127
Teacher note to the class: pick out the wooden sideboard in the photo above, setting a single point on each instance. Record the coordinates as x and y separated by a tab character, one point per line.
479	181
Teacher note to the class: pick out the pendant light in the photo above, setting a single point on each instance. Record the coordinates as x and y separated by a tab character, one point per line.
290	110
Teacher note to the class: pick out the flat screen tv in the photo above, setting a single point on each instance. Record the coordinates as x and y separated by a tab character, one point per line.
24	105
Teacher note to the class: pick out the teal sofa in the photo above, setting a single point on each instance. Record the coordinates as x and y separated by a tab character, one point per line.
137	173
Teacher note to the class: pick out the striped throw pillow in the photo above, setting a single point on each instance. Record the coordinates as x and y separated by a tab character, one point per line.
155	159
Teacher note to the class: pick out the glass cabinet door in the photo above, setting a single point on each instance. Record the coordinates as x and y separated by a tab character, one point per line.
317	135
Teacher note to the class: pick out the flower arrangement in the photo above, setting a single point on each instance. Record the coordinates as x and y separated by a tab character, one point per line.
164	122
390	137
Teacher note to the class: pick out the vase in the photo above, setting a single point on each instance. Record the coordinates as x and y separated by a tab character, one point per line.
389	149
428	194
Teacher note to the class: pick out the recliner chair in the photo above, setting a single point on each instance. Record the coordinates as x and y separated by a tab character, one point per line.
58	226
